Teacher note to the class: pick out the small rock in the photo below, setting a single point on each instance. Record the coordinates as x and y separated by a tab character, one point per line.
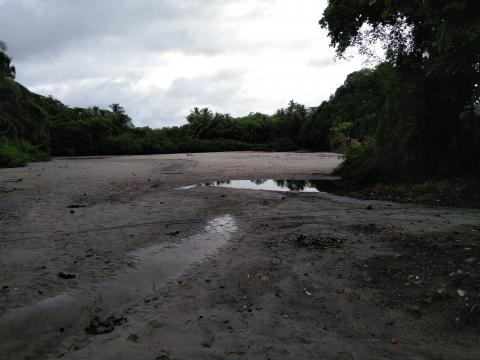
75	206
369	207
133	338
99	327
66	275
165	355
206	344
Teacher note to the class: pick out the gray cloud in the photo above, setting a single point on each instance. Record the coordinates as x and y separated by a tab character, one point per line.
321	62
47	27
160	58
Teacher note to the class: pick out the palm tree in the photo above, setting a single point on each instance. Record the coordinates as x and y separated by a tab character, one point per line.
120	120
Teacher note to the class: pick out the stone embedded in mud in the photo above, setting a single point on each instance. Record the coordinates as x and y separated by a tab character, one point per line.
133	338
66	275
75	206
165	355
99	327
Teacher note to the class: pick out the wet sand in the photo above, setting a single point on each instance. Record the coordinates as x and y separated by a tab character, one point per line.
158	272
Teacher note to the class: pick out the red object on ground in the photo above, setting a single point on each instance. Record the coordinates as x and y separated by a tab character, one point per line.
394	340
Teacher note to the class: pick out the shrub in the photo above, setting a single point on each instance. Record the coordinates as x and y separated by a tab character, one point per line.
360	164
19	153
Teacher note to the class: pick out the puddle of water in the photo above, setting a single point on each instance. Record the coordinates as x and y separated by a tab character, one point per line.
36	327
310	186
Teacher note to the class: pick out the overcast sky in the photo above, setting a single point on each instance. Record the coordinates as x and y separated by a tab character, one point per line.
160	58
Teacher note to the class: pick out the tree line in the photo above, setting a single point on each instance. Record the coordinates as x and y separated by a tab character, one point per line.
414	116
34	127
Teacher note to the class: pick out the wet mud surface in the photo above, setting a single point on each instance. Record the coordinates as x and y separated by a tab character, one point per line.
149	272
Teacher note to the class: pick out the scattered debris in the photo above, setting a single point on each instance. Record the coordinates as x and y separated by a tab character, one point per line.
348	291
154	324
461	292
165	355
369	229
318	242
234	352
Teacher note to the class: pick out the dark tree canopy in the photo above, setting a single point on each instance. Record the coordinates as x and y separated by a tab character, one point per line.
441	37
434	48
6	68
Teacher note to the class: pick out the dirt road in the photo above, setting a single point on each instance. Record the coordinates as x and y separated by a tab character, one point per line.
105	258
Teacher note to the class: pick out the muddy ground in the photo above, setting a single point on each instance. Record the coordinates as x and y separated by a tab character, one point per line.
103	258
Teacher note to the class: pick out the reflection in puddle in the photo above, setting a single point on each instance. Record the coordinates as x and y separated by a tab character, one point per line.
35	327
270	185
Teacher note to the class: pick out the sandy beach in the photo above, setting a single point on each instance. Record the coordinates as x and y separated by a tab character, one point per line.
107	258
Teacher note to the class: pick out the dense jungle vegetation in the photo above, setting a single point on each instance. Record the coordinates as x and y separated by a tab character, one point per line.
414	116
